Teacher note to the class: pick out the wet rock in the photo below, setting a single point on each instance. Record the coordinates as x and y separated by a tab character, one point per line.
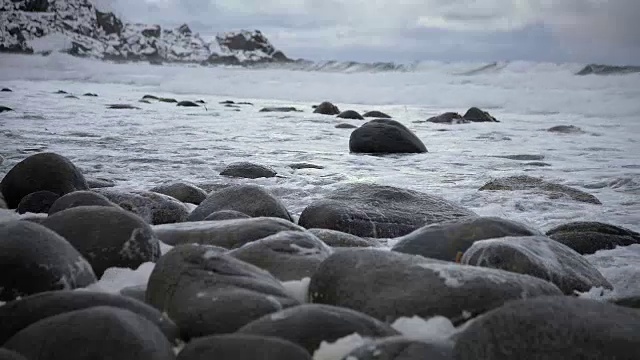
326	108
400	348
200	101
122	106
345	126
242	346
553	328
186	193
287	255
280	109
448	118
120	334
228	234
34	259
376	114
587	237
43	171
252	200
525	157
150	97
630	302
388	285
19	314
152	207
227	102
167	100
298	166
95	183
309	325
449	240
4	108
118	238
79	198
336	238
226	215
537	256
61	92
144	101
6	90
135	292
248	170
376	211
187	103
476	115
538	163
384	136
350	114
565	129
206	292
90	94
528	183
37	202
6	354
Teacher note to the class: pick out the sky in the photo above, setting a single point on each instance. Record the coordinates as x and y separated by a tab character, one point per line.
584	31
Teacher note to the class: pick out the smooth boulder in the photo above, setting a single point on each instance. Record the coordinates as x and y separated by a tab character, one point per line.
241	347
226	215
400	348
79	198
384	136
565	129
326	108
184	192
587	237
187	103
336	238
345	126
475	114
376	114
448	118
152	207
38	202
248	170
529	183
350	114
279	109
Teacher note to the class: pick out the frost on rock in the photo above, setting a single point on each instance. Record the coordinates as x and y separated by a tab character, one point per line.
87	32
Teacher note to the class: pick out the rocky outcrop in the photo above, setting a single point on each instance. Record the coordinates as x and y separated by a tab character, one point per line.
598	69
79	28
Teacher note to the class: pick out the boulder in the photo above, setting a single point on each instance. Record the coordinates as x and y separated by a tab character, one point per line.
95	183
280	109
350	114
122	107
376	211
152	207
298	166
43	171
587	237
388	285
400	348
90	94
184	192
326	108
345	126
384	136
449	240
248	170
6	90
80	198
528	183
97	333
226	215
565	129
240	347
117	238
168	100
6	354
376	114
34	259
252	200
228	234
138	292
552	328
448	118
476	115
537	256
336	238
5	109
37	202
308	325
187	103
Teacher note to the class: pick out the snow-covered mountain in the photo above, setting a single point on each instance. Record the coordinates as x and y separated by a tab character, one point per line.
79	28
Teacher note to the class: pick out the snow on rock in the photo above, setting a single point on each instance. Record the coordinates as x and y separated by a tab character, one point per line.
82	30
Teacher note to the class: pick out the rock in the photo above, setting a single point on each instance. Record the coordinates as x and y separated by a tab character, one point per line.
552	328
280	109
167	100
298	166
6	90
79	198
187	103
34	259
228	234
587	237
120	335
144	101
226	215
6	354
206	292
376	211
186	193
350	114
448	118
95	183
376	114
241	346
400	348
599	69
4	108
388	285
60	92
43	171
345	126
565	129
19	314
252	200
537	256
138	292
449	240
1	159
150	97
248	170
90	94
152	207
118	238
336	238
287	255
384	136
476	115
309	325
326	108
525	157
37	202
122	106
630	302
528	183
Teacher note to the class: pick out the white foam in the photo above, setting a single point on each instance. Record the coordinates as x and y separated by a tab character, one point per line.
436	330
338	349
298	289
621	266
115	279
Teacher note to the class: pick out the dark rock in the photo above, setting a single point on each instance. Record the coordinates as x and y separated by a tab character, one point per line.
336	238
153	31
109	23
476	115
345	126
43	171
566	129
297	166
167	100
252	200
61	92
227	215
184	192
376	114
228	234
537	256
200	101
90	94
150	97
122	106
104	332
187	103
71	97
400	348
552	328
227	102
599	69
280	109
79	198
248	170
448	118
589	237
4	108
326	108
35	259
206	292
118	238
376	211
350	114
384	136
449	240
554	191
154	208
309	325
6	354
537	163
524	157
388	285
135	292
630	302
19	314
6	90
240	347
37	202
144	101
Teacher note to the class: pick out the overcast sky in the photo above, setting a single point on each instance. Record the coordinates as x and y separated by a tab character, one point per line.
605	31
